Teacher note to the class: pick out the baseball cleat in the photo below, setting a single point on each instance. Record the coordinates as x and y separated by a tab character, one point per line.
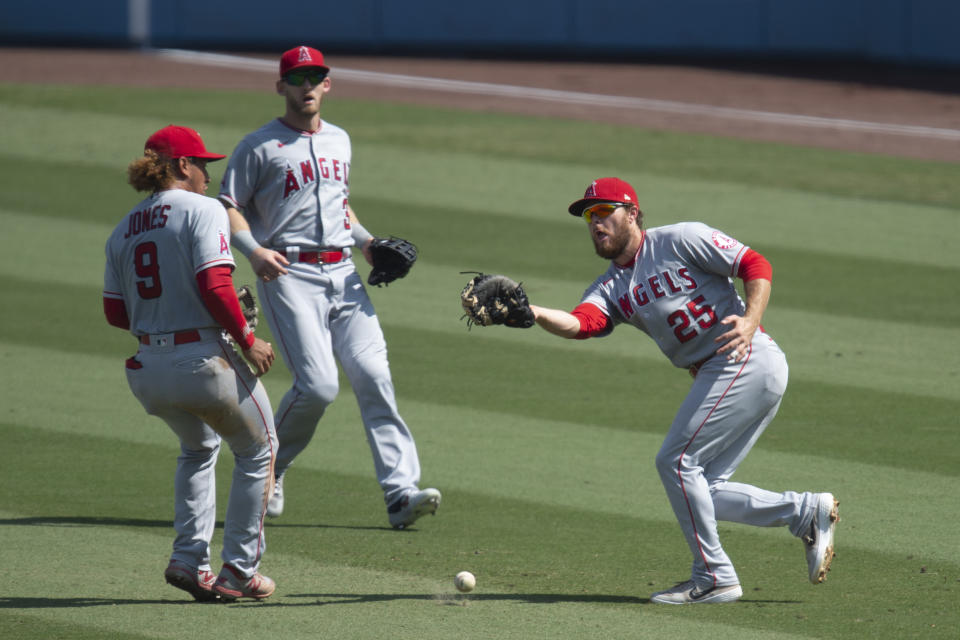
819	541
408	509
196	582
689	593
231	584
275	503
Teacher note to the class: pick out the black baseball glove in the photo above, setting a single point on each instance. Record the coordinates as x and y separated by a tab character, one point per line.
494	299
392	258
249	305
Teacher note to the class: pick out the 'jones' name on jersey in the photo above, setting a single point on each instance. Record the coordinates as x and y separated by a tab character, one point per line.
146	220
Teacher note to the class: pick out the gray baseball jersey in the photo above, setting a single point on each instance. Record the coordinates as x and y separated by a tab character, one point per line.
156	252
201	388
292	188
676	291
281	178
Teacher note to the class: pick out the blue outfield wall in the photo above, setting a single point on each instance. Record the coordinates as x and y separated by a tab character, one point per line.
904	32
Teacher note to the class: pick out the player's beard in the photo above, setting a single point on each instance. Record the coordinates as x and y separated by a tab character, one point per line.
615	242
295	104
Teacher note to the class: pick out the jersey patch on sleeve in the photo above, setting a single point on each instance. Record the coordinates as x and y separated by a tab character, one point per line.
723	241
224	245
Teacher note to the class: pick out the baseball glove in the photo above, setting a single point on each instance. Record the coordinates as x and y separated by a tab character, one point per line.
494	299
392	258
249	305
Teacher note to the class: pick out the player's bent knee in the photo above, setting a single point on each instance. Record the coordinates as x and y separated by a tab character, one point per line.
667	463
258	453
318	395
372	366
199	451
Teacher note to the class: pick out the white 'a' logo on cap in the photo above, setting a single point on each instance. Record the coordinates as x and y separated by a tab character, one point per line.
591	190
305	55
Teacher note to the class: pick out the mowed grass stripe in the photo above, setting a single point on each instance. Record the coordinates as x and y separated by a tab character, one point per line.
88	146
849	352
315	595
692	156
83	193
590	558
837	421
521	207
761	213
23	618
529	208
509	453
819	344
859	288
812	340
893	288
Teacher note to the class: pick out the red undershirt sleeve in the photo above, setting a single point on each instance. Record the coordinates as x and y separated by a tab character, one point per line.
116	312
593	321
753	265
216	289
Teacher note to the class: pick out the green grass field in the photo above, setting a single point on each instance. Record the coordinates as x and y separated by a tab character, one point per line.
543	448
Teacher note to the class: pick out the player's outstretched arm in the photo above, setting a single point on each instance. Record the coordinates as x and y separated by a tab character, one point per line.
557	322
266	263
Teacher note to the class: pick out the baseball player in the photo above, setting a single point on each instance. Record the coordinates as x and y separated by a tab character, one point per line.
674	284
286	191
168	281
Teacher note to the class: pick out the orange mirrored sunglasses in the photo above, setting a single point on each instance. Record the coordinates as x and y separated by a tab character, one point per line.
601	210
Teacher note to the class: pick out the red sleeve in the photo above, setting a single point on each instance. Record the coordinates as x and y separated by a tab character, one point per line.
116	312
216	289
593	321
753	266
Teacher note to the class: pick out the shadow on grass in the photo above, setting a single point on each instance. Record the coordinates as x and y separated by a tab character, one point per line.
78	602
286	525
85	521
321	599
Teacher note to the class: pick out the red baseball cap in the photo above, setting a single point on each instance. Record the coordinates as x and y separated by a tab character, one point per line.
180	142
301	57
604	190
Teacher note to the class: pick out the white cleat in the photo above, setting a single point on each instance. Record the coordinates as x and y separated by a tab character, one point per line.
819	541
689	593
275	504
408	509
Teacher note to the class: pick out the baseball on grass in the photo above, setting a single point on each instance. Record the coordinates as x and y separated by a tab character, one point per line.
464	582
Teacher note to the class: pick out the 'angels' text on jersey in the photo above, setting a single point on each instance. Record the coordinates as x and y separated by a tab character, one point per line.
676	290
328	168
658	285
292	186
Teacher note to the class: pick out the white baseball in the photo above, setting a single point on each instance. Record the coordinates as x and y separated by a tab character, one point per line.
464	581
